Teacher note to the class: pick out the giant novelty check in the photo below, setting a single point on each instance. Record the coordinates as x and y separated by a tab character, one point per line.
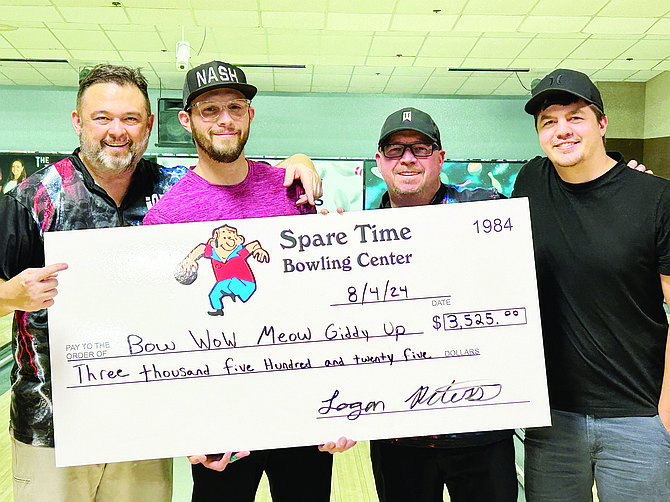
197	338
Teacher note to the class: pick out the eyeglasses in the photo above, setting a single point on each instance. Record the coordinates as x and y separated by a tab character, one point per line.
419	150
210	111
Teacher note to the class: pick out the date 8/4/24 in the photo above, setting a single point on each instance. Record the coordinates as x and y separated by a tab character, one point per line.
495	225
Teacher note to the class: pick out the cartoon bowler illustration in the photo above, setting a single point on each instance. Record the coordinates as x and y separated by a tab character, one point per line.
228	254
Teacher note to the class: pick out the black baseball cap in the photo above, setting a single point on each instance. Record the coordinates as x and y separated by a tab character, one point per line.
215	75
564	81
413	120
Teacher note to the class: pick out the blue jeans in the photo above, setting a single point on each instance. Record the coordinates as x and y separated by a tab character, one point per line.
628	457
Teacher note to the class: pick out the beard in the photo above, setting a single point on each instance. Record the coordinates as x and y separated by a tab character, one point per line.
95	153
225	154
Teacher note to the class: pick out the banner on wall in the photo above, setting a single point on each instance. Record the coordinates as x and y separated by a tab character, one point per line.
15	167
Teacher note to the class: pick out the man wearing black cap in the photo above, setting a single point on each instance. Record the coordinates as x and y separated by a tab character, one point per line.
602	249
225	185
476	467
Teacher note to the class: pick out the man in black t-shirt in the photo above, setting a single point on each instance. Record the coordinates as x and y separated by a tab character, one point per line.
602	248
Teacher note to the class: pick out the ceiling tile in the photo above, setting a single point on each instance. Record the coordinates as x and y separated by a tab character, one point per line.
369	80
97	56
390	46
614	25
635	64
643	75
129	40
447	46
340	59
601	48
413	71
293	78
61	76
641	8
25	2
160	4
405	84
252	45
585	65
428	6
554	8
45	54
373	70
85	39
353	45
323	80
228	5
443	85
423	22
293	20
358	22
222	18
437	62
84	3
658	49
535	63
488	47
330	88
482	23
518	7
366	89
289	5
486	62
662	27
333	70
611	75
133	28
106	15
663	65
293	88
293	44
356	6
31	38
10	13
165	17
390	61
4	80
553	24
158	57
56	26
294	59
557	48
25	75
334	36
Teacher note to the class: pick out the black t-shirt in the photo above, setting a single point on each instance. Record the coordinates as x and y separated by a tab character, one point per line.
599	249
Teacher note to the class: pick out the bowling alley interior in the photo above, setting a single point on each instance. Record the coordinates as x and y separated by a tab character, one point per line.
328	73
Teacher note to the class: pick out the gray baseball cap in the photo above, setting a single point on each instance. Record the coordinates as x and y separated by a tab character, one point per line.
564	81
413	120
